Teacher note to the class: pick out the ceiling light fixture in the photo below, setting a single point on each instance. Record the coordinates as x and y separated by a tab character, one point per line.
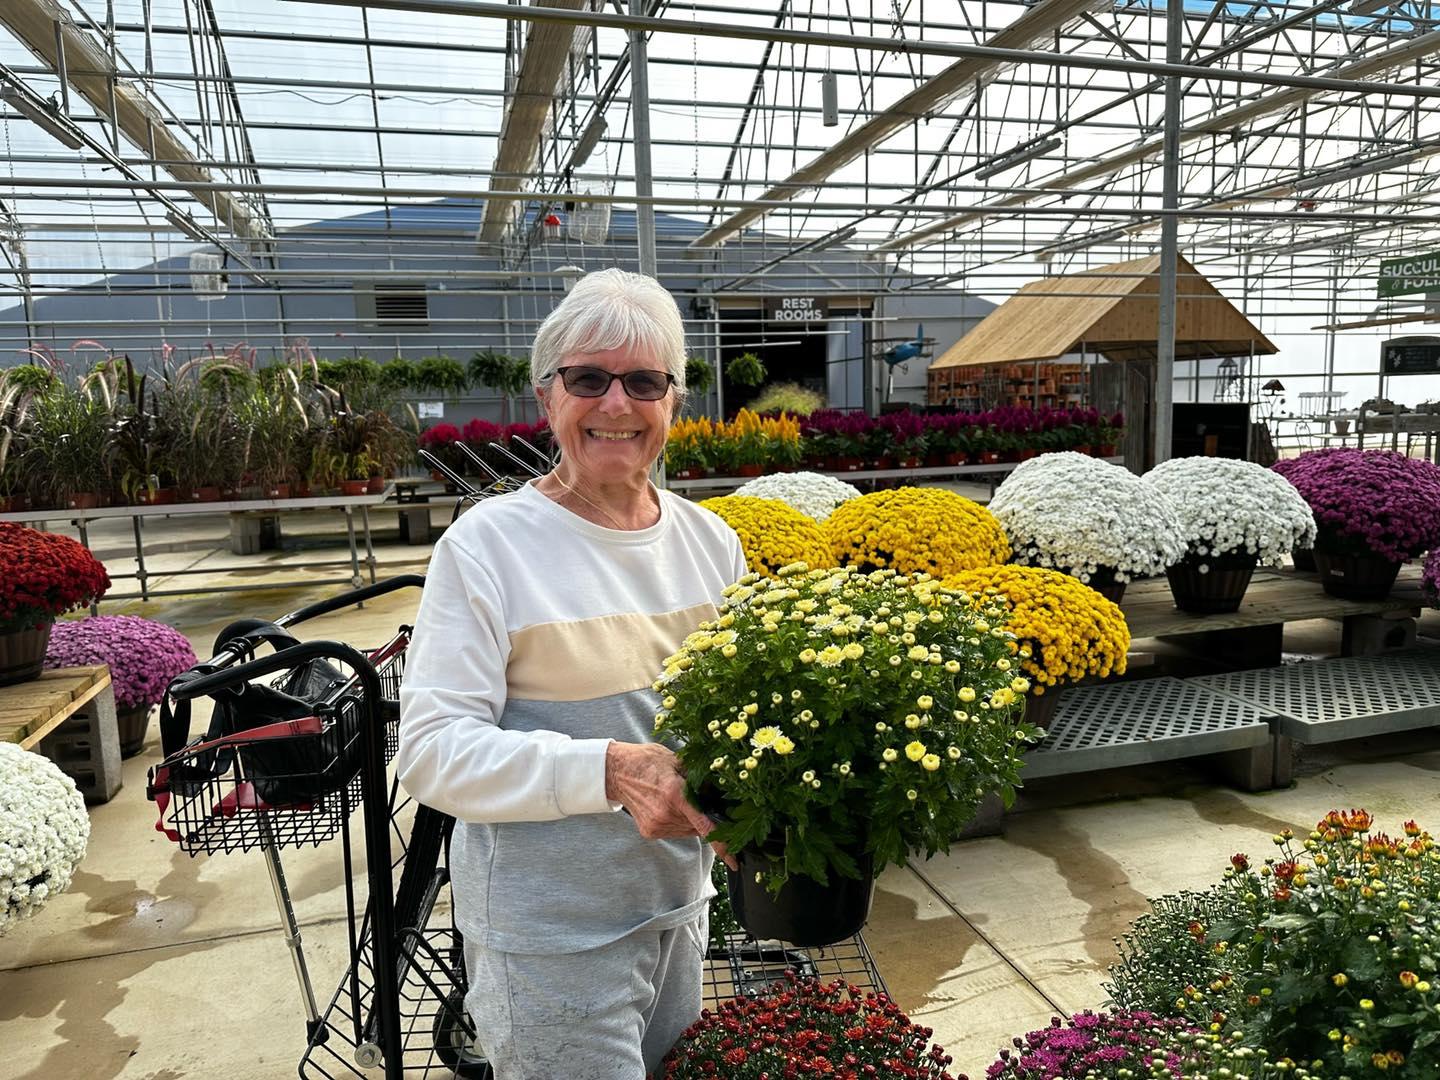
41	113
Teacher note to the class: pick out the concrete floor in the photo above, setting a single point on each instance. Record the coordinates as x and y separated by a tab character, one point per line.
157	966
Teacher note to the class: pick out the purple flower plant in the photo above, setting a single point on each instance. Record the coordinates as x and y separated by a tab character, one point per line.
1378	499
1089	1045
143	656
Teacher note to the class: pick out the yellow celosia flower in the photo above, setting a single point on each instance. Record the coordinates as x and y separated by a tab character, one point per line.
772	534
1069	629
915	530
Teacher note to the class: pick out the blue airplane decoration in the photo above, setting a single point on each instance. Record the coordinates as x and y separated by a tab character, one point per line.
906	350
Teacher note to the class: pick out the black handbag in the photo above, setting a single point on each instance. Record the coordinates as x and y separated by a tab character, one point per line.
283	771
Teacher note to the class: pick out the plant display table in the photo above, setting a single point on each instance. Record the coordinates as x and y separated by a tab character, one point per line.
1253	634
1352	697
69	714
1151	720
138	515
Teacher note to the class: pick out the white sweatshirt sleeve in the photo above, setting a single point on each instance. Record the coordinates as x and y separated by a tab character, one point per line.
453	756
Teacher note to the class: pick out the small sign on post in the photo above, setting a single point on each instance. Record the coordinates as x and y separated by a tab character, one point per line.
1410	356
797	309
1414	274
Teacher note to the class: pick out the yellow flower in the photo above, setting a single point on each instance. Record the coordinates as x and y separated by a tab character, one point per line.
750	763
854	651
772	533
1065	629
830	656
917	652
765	736
967	694
783	745
915	750
737	730
728	651
930	762
915	529
807	656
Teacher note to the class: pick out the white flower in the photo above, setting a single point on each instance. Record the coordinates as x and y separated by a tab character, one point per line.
1226	506
43	832
813	494
1078	514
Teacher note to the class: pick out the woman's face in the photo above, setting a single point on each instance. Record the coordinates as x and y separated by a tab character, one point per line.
611	437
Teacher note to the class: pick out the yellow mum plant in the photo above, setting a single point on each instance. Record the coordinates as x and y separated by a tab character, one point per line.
1065	629
915	530
772	533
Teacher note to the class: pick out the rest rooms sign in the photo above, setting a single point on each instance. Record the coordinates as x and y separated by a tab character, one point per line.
796	309
1416	274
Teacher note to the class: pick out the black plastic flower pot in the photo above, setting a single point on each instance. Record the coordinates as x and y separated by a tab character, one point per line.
1304	559
1212	585
1040	709
1103	581
1362	576
804	913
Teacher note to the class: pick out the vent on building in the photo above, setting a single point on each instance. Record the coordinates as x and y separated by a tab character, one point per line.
401	304
392	305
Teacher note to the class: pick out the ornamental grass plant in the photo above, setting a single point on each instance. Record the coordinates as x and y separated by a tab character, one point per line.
915	530
805	1028
44	575
814	494
143	655
1078	514
1323	952
1228	507
1369	500
772	534
826	713
1067	631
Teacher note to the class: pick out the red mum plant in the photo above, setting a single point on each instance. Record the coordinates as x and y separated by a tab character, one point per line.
806	1028
43	575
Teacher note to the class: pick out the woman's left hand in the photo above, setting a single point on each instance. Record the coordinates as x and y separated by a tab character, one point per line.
645	779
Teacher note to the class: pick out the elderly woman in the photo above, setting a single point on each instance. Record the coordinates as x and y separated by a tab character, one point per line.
526	710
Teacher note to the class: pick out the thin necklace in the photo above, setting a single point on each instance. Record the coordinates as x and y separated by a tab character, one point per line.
561	481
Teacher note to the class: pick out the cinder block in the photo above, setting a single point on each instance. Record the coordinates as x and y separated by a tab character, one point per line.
253	533
87	748
415	523
1371	635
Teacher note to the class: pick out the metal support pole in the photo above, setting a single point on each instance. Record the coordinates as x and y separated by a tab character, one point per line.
1169	240
355	579
138	521
640	117
62	69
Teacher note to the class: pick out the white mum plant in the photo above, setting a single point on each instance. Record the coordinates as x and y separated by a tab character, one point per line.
813	494
43	832
1227	506
1077	514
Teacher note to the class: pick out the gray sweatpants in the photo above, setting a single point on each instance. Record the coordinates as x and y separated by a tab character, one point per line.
609	1013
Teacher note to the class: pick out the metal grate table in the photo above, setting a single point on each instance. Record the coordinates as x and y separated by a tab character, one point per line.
1141	722
1350	698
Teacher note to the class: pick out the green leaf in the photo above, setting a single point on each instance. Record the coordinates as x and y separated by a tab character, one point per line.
1288	921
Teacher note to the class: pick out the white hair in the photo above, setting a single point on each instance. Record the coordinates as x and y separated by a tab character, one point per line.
611	309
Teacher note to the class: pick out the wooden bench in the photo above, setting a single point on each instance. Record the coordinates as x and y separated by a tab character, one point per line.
69	715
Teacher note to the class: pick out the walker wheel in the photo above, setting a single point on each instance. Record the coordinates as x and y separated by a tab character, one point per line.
453	1044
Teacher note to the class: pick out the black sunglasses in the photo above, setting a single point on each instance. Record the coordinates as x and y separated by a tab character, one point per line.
585	381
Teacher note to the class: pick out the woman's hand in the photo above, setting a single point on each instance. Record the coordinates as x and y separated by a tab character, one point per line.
645	779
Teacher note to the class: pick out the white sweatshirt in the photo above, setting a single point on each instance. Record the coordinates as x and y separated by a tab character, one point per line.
538	637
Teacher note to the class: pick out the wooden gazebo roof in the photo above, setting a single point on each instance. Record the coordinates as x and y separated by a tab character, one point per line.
1112	311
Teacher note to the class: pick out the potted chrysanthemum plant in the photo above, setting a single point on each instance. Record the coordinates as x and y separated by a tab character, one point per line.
1234	516
1374	510
813	494
802	1027
42	576
915	530
771	532
1066	631
44	830
1430	578
142	655
833	722
1088	518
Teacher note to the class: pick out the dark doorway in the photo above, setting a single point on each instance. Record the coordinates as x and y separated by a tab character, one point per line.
789	353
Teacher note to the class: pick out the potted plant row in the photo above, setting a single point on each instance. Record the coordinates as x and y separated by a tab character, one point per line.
208	429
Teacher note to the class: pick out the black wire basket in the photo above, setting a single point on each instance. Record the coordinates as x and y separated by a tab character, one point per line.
287	784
